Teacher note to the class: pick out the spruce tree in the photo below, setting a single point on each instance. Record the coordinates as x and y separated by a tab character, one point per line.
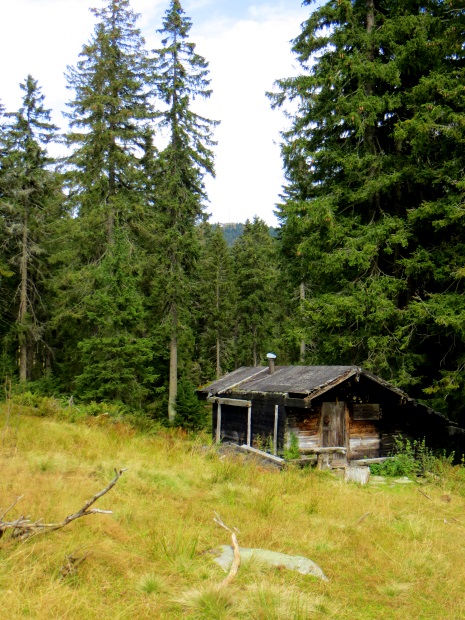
180	76
29	194
7	361
216	304
371	215
256	274
117	358
109	121
110	117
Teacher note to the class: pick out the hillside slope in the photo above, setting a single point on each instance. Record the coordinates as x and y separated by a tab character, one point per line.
151	558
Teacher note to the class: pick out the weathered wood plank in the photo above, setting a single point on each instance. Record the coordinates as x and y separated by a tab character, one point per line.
218	423
275	429
299	403
271	457
249	424
372	461
235	402
333	425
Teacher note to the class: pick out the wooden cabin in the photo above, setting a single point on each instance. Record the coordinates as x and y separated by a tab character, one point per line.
342	410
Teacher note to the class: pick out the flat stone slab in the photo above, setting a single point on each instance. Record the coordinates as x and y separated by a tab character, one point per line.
390	481
292	562
377	479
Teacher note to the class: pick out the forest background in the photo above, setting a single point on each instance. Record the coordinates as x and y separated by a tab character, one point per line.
113	285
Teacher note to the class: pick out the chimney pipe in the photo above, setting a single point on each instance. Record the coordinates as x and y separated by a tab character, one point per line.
271	358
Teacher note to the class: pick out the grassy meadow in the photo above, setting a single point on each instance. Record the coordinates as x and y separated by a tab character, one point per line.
152	557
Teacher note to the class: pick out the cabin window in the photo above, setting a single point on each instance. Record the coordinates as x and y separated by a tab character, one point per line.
367	411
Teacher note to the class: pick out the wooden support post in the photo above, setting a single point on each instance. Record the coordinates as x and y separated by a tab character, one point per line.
275	435
218	423
249	425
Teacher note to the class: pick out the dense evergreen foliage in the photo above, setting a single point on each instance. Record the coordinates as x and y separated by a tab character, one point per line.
216	304
180	76
232	232
255	267
372	216
114	287
108	118
28	190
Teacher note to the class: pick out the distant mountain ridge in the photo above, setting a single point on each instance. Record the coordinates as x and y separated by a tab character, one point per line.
232	231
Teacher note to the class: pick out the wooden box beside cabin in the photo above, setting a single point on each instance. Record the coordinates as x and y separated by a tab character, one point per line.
325	407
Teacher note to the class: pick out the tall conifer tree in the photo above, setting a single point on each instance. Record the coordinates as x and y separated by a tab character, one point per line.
117	356
216	304
110	117
180	76
28	195
109	121
255	269
373	203
7	361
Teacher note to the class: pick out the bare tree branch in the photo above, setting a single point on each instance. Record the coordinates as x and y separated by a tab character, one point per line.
237	556
12	506
23	527
72	562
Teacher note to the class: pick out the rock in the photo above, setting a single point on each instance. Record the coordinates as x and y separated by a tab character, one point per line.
357	473
377	480
293	562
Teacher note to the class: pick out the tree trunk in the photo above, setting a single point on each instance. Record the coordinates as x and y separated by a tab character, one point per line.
22	315
173	378
111	193
218	354
255	356
218	344
370	130
302	342
370	17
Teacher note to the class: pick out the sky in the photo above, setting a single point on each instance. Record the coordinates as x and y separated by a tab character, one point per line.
247	44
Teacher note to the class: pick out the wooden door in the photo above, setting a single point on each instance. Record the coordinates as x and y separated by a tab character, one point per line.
333	425
333	429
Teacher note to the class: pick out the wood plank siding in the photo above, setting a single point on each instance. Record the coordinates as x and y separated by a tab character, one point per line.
305	424
364	439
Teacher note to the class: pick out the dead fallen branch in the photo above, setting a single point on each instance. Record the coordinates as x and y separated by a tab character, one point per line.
23	527
367	514
72	562
424	494
237	556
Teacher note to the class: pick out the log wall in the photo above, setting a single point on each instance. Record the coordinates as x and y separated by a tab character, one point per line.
305	424
364	439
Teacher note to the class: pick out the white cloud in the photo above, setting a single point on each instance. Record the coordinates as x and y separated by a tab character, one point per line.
42	37
245	60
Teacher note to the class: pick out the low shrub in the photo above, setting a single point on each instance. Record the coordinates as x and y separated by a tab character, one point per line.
292	451
412	459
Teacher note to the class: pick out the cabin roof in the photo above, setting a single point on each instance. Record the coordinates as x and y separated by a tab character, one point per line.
311	381
296	379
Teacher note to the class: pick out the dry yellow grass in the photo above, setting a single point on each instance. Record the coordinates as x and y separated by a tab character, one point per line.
150	558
